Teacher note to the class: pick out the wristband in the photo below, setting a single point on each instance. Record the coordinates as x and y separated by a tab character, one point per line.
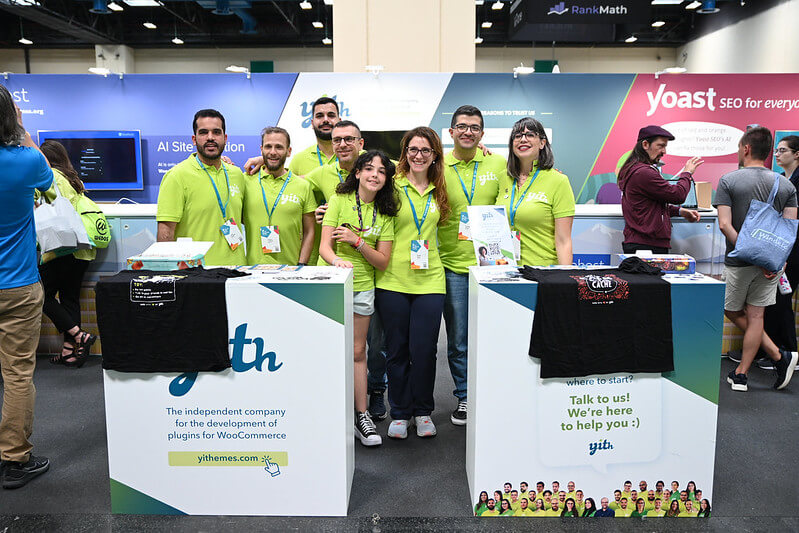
359	248
358	244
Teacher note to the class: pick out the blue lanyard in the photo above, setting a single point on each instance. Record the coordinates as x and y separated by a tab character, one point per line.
340	178
514	208
463	185
413	210
222	208
277	199
319	156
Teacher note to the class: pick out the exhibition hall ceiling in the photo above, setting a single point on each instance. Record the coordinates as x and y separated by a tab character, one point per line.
309	23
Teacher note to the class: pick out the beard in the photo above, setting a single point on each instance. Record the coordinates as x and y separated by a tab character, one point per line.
323	135
206	155
276	166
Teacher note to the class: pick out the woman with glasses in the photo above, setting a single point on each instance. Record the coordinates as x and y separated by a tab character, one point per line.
538	199
410	292
357	233
779	319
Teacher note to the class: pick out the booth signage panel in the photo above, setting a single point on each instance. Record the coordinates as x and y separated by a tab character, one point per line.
245	440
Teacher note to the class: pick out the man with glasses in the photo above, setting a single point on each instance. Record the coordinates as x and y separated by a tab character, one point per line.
472	179
604	511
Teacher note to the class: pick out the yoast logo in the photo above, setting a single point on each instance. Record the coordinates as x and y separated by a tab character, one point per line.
20	95
603	444
261	362
681	100
307	110
558	9
767	236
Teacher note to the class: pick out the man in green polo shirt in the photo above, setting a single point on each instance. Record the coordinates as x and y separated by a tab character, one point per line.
202	197
278	207
472	179
324	115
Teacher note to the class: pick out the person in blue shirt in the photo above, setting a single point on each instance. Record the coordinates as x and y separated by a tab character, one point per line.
604	510
23	168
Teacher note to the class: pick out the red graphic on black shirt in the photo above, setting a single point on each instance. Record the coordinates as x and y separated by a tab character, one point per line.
606	288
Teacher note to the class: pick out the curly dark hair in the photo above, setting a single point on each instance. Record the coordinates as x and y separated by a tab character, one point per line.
11	133
386	200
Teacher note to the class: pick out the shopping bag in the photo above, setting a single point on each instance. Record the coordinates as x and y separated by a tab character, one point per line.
58	226
766	238
94	221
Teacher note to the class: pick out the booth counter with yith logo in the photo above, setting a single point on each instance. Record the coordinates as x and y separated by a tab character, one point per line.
237	442
598	430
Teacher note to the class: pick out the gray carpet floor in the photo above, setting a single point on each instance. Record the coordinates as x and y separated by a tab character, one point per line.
417	484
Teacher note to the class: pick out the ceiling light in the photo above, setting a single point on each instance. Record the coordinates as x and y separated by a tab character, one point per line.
238	69
177	40
666	2
479	2
496	6
113	6
142	3
327	40
101	71
305	4
317	24
631	39
487	24
478	40
150	25
521	69
25	41
658	24
328	2
693	5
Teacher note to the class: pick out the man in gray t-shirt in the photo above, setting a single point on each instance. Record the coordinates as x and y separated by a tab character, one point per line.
750	289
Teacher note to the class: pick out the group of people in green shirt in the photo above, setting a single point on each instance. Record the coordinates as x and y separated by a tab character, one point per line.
401	226
630	503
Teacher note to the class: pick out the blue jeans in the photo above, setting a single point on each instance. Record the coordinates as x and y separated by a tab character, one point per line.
376	356
456	319
411	323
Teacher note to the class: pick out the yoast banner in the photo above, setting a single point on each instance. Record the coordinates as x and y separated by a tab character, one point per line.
160	106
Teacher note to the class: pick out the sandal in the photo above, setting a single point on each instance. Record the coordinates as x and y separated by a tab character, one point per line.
61	359
82	350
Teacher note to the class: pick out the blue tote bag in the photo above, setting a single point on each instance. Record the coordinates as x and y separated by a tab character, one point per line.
765	239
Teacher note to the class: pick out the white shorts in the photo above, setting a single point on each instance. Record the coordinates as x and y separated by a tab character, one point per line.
748	285
363	302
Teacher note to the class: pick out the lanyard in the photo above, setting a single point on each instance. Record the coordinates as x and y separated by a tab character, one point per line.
277	199
222	208
463	185
319	156
340	177
413	210
360	217
514	208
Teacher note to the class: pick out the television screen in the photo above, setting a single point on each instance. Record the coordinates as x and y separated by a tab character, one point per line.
104	160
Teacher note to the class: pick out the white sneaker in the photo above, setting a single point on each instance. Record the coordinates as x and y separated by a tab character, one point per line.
424	426
366	431
398	429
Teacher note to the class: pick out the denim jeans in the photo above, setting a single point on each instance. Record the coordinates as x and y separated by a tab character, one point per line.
376	356
456	320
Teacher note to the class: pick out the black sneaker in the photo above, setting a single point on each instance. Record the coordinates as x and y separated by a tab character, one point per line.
784	368
16	475
365	430
737	381
765	363
734	355
458	416
377	405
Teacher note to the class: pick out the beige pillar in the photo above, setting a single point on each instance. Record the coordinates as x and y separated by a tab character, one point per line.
116	58
404	36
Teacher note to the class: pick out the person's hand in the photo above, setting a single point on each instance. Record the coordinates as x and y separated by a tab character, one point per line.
340	263
768	274
253	164
691	215
320	213
272	468
342	234
692	164
485	150
226	159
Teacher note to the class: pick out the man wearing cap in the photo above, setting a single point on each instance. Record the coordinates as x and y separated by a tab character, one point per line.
648	200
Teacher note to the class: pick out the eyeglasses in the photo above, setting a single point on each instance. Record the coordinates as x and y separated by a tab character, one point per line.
779	151
528	135
474	128
349	139
413	151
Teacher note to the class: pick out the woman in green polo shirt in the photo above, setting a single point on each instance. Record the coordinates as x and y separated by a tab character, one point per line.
410	292
482	503
357	233
538	199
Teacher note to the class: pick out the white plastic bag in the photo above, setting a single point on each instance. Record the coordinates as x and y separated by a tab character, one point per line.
59	226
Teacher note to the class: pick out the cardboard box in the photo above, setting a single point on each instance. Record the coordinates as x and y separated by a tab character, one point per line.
704	194
668	263
177	255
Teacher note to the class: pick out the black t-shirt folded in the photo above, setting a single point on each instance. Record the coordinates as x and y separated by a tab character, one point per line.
600	322
174	321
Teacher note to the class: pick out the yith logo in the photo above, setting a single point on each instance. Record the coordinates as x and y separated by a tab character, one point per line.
488	176
293	198
307	111
184	382
682	100
603	444
558	9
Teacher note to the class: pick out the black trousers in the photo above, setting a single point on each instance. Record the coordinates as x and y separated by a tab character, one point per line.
778	319
63	276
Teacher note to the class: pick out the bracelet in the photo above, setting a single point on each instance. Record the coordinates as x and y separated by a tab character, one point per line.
359	248
334	261
358	244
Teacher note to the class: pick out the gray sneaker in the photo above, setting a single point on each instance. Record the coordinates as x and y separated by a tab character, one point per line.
424	426
398	429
